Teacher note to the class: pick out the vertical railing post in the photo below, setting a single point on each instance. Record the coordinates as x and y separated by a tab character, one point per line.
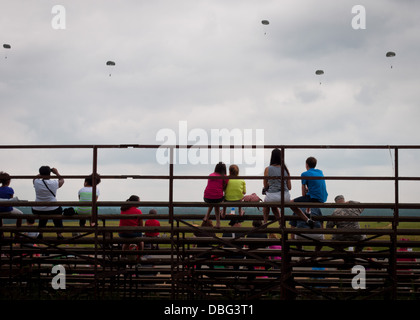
393	255
94	214
171	216
282	211
94	175
286	282
397	198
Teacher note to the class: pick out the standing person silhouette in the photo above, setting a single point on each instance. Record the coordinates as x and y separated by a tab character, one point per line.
46	191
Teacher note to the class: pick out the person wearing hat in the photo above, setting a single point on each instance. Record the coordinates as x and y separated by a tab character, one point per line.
342	224
347	225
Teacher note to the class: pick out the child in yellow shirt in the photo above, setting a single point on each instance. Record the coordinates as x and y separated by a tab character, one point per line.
236	188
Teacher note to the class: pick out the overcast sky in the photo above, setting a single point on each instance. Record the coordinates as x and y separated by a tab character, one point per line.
209	65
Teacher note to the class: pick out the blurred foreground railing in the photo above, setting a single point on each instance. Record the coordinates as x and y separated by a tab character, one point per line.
191	262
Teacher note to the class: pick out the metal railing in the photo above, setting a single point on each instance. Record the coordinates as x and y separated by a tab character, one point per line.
182	264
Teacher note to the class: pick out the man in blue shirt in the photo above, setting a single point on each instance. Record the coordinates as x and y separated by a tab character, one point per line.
313	190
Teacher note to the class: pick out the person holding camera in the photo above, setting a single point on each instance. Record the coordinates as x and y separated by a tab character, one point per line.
46	191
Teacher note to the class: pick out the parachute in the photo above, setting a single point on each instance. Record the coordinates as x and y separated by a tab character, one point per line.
6	46
319	73
110	63
265	23
390	54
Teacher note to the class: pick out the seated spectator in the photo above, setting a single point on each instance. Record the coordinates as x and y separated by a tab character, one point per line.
85	195
33	234
152	223
30	221
313	190
348	225
6	193
235	189
213	194
346	212
131	209
233	223
274	189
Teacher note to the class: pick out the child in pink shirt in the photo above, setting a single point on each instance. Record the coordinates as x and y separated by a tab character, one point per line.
214	191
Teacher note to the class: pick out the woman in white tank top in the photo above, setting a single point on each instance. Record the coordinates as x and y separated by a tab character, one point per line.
273	187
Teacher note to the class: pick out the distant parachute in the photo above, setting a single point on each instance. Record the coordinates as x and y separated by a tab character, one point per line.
6	46
265	22
319	73
110	63
390	54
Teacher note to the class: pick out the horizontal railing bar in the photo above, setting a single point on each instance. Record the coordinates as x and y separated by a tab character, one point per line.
80	146
199	177
365	205
245	217
204	230
130	176
208	146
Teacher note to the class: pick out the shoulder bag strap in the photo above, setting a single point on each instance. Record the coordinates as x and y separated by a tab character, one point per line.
48	188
